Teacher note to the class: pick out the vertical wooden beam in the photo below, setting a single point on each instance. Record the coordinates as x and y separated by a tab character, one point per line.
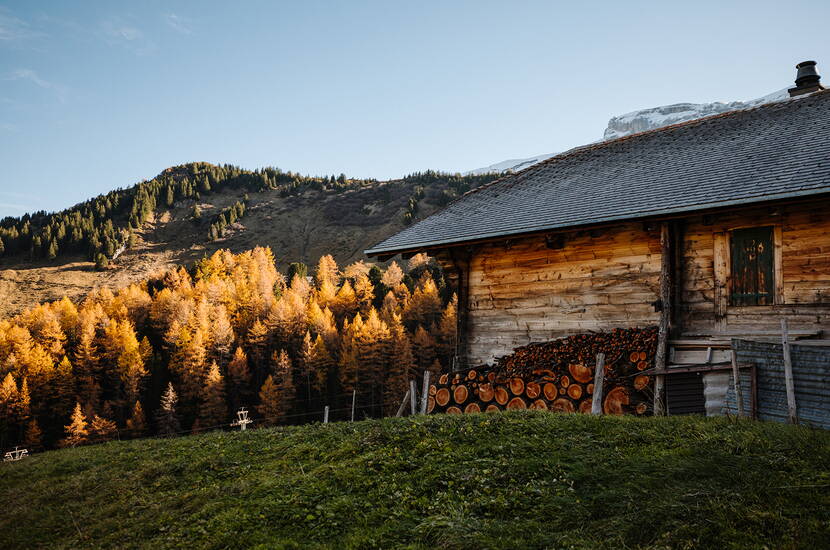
778	264
665	315
599	377
679	268
792	416
425	393
736	376
461	259
721	269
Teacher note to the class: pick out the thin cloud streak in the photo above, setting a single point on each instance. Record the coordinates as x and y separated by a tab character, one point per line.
30	75
178	24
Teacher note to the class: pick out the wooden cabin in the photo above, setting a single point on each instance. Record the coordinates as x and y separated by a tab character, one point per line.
710	229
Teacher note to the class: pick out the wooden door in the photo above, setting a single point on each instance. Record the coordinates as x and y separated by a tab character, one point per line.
752	257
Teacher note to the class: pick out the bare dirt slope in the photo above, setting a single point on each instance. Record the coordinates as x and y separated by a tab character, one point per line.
297	228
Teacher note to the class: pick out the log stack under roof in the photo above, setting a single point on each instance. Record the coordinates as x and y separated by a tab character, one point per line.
556	376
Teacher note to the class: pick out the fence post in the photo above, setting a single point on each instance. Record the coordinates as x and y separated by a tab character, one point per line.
413	396
425	393
326	415
792	416
354	398
403	404
599	376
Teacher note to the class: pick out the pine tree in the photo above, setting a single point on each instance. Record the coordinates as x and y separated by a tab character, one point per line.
137	424
270	406
213	409
327	270
101	429
239	379
401	367
76	431
392	276
167	420
33	438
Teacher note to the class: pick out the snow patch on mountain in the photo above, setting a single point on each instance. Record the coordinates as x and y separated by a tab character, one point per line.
644	120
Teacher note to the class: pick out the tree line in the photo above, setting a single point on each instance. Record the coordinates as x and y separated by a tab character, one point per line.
101	227
185	349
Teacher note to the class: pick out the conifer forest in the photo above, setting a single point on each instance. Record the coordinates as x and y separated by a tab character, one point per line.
182	351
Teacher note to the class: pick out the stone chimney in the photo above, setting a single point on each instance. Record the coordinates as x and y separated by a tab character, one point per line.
806	80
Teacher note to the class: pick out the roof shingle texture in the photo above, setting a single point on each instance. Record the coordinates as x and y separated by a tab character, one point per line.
774	151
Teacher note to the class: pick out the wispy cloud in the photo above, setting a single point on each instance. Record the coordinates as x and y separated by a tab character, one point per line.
118	31
30	75
13	29
178	23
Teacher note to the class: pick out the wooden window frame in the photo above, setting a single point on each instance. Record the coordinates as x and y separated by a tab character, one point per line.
722	266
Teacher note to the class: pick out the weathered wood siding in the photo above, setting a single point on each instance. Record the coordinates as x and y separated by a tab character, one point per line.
526	292
523	291
802	273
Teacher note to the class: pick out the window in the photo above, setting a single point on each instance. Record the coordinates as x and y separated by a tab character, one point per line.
752	257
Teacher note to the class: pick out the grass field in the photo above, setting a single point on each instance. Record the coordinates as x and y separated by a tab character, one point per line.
505	480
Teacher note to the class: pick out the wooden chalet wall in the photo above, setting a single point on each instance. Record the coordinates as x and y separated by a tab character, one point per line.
527	291
802	271
539	288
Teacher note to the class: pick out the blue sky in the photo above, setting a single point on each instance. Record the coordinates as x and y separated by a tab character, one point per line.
99	95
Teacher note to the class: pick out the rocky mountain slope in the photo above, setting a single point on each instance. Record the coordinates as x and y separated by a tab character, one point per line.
299	227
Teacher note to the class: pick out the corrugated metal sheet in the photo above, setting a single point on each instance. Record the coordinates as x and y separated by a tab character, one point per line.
811	374
715	385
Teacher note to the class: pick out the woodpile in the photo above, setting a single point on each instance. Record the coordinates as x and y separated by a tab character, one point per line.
557	376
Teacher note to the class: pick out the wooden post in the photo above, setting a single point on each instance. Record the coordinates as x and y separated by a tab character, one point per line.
665	316
326	415
754	391
413	396
599	376
425	393
461	259
736	376
792	416
403	405
354	398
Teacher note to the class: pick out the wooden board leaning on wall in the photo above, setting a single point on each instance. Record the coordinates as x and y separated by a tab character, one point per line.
556	376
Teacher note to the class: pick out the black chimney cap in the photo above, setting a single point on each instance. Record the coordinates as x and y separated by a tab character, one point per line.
806	80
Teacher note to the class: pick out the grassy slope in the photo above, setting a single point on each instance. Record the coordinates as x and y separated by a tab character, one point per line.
513	480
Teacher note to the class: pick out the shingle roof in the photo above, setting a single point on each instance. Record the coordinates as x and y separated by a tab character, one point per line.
779	150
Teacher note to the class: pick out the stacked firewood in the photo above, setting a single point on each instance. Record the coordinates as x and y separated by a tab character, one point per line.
557	376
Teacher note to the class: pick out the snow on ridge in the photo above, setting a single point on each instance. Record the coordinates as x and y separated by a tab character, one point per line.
643	120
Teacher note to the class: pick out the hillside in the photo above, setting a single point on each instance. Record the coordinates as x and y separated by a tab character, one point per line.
503	480
300	218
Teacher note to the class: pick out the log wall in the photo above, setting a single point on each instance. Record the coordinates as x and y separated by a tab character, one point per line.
524	291
534	289
802	271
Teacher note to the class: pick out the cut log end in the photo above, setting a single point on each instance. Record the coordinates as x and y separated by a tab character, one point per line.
472	408
533	390
442	396
502	397
615	401
581	373
460	394
562	405
453	410
486	392
517	386
517	403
